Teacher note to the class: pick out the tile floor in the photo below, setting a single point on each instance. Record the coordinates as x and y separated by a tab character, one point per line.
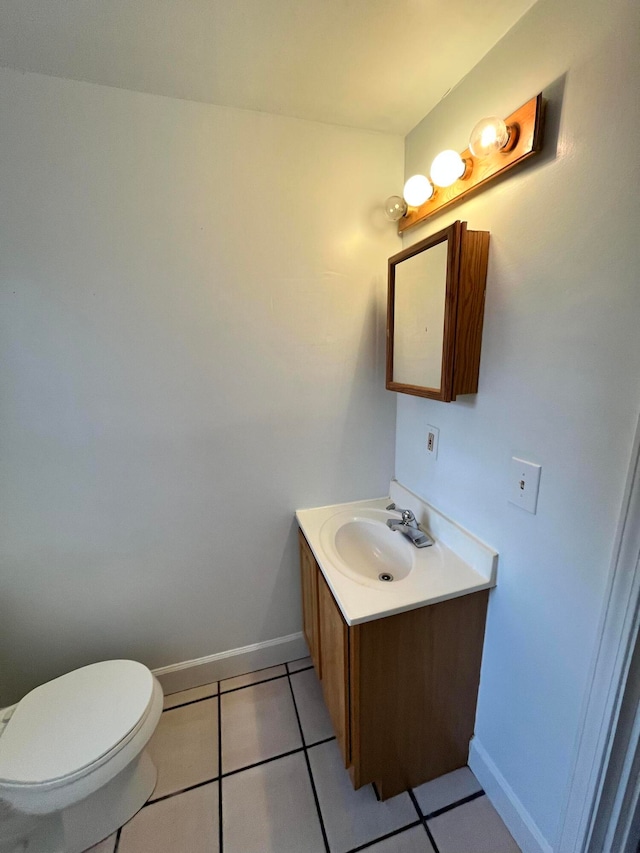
250	765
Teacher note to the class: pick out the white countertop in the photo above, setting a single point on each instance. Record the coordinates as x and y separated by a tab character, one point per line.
457	564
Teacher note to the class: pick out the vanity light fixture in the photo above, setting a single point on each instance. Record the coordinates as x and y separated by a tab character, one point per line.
495	146
417	190
447	168
489	136
395	207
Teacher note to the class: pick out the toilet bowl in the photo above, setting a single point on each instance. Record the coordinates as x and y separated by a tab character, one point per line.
73	766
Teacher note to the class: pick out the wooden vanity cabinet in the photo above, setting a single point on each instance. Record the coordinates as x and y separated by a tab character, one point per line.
334	654
401	690
309	574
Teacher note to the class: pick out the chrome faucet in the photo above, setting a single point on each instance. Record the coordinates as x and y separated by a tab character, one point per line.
408	526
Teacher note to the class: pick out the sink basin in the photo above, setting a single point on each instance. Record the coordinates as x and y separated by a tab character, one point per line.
374	572
365	549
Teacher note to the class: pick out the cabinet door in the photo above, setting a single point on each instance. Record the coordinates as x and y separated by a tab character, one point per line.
434	314
334	652
309	581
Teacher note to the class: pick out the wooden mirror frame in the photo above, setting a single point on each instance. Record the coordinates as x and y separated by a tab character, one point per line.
467	256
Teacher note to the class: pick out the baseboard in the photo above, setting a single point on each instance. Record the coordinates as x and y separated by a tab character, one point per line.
517	819
193	673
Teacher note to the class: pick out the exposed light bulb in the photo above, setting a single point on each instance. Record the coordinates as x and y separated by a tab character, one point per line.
417	190
395	208
489	136
446	168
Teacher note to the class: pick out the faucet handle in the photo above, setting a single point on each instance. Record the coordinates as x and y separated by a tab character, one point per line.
407	516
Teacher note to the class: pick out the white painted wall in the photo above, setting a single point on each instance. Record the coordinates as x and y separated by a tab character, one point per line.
193	305
559	378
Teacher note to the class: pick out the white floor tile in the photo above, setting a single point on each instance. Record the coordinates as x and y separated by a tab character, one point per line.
353	817
191	695
475	826
446	789
252	678
258	722
413	840
270	809
184	747
187	823
314	717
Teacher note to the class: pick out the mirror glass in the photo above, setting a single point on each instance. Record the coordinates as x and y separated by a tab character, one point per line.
419	314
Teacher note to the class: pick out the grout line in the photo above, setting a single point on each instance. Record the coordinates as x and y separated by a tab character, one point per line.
117	844
220	829
384	837
302	669
235	772
189	702
264	761
320	742
254	683
423	820
311	779
233	689
181	791
455	805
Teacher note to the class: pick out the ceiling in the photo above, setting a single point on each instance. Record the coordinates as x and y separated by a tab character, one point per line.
376	64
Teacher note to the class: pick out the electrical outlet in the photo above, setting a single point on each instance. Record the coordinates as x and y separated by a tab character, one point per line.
433	434
524	484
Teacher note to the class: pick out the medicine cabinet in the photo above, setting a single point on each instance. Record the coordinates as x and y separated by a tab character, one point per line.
434	314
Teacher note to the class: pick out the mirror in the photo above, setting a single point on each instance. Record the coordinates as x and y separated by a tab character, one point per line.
420	287
434	316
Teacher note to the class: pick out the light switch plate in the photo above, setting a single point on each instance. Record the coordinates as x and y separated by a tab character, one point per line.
433	435
524	483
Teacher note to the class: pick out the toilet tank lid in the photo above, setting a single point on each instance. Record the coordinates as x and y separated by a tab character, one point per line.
69	723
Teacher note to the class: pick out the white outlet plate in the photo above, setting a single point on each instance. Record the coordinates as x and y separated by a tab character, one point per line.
524	483
431	443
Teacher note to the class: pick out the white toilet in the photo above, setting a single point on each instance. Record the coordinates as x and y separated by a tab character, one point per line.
73	766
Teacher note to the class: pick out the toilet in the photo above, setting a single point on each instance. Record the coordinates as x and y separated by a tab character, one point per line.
73	765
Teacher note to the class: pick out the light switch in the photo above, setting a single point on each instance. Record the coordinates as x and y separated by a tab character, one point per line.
524	484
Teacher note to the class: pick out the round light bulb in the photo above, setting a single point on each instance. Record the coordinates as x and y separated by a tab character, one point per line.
395	208
417	190
489	136
446	168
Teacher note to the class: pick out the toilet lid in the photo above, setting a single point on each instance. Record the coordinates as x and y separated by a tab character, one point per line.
70	722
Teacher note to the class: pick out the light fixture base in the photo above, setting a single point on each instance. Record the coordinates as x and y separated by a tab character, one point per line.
525	139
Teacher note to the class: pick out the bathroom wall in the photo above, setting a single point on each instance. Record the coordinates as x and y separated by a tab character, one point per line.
559	378
193	310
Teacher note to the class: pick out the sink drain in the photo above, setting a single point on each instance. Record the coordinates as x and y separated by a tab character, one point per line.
385	576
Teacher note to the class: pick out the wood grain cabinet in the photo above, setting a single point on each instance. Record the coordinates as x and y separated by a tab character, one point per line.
434	314
309	583
401	690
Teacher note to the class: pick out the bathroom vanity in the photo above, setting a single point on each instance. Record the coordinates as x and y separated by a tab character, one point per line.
399	666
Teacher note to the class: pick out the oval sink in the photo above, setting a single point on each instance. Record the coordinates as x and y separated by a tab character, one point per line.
355	551
373	549
365	549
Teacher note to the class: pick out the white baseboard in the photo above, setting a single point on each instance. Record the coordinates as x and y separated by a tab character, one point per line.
193	673
517	819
